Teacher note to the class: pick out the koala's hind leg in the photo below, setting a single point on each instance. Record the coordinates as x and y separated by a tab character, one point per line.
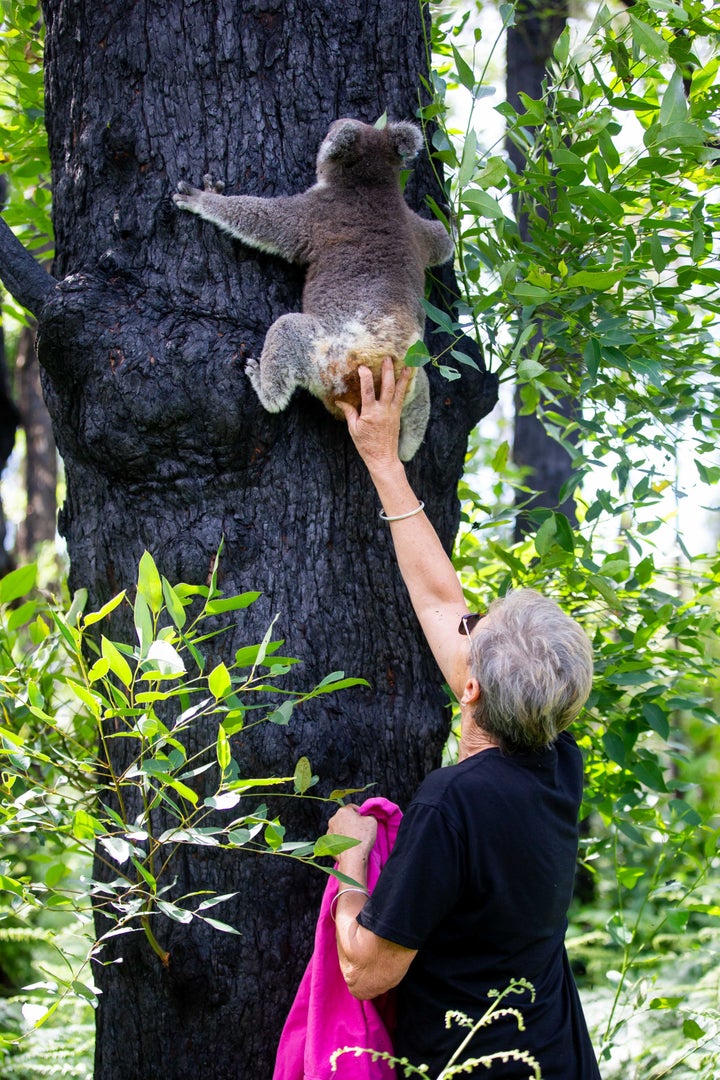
415	415
285	360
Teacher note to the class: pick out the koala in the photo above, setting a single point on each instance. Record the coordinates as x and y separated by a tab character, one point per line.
365	252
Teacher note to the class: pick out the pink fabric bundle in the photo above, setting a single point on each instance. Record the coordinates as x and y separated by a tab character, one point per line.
325	1016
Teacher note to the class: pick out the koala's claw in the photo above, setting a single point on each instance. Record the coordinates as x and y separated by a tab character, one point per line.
216	186
186	196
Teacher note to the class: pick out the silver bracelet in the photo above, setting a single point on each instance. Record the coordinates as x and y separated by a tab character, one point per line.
337	896
401	517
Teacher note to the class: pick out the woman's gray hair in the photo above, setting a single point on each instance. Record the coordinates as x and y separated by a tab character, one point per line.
534	665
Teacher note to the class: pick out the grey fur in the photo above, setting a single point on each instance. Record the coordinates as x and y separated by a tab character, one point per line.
366	253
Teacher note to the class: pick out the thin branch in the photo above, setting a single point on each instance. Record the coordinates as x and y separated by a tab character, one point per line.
21	275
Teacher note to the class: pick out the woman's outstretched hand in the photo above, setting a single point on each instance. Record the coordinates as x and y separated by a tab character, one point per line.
375	430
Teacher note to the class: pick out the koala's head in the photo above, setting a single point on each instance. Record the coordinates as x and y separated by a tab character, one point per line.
352	151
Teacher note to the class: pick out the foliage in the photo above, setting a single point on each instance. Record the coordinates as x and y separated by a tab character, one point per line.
458	1064
24	156
619	197
68	692
607	295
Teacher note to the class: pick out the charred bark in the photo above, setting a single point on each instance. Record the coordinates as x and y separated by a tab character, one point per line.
9	420
39	523
142	342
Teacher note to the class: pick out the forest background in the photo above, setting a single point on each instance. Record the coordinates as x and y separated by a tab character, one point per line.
588	275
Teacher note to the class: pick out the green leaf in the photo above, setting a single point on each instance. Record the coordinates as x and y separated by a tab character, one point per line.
84	991
648	40
174	912
605	589
628	876
99	670
163	660
144	873
304	779
117	662
530	369
336	681
85	826
183	789
231	603
441	318
282	714
482	204
691	1029
173	604
614	747
333	845
96	616
546	536
467	164
465	73
266	781
274	835
143	622
224	754
674	103
492	174
417	355
117	847
656	718
213	900
18	583
217	925
149	583
219	681
597	280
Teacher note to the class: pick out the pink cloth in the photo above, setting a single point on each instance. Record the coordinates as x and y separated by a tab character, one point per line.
325	1016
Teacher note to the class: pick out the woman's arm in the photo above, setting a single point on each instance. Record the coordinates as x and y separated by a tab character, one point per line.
435	591
370	965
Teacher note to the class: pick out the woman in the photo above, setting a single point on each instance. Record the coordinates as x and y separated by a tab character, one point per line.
477	888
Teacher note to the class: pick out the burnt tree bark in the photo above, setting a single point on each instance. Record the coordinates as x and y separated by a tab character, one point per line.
41	471
142	337
530	44
9	420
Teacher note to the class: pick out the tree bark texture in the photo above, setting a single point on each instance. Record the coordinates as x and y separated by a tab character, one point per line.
9	419
530	44
142	339
40	454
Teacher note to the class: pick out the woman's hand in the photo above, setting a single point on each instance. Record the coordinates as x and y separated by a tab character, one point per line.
348	821
376	428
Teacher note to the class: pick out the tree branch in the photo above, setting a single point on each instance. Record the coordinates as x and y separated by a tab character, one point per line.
21	275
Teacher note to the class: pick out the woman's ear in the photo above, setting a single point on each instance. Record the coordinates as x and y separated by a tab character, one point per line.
471	692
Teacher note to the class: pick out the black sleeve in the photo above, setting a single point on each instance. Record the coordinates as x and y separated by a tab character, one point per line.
421	880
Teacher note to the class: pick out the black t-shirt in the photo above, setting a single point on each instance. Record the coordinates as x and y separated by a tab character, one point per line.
479	882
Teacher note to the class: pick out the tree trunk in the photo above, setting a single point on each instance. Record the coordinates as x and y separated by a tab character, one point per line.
530	44
142	341
8	420
40	453
8	426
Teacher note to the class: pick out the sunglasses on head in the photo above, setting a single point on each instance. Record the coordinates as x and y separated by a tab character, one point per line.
469	622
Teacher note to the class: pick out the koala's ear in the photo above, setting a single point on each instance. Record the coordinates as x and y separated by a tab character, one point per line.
340	139
406	139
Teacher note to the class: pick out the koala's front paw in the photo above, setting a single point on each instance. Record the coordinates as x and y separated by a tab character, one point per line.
190	198
252	370
216	186
266	392
186	197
